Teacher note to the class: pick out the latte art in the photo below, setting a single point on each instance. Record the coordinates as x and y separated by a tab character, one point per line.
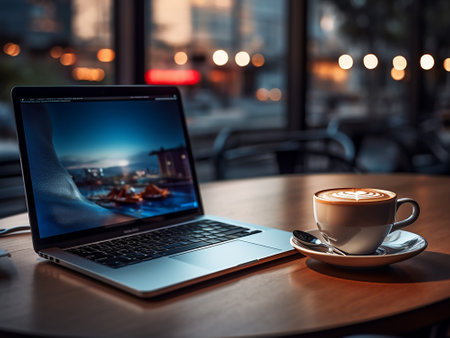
360	194
355	195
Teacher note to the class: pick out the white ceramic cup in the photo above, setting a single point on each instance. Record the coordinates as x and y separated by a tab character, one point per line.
357	220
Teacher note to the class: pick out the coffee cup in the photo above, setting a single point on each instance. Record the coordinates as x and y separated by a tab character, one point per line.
357	220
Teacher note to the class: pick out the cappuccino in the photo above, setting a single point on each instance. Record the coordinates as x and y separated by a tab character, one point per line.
355	195
356	220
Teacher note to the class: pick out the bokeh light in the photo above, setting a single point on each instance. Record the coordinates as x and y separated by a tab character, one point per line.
262	94
275	94
258	60
68	59
172	76
220	57
56	52
106	55
397	74
426	62
447	64
327	23
11	49
370	61
180	58
345	61
399	62
242	59
88	74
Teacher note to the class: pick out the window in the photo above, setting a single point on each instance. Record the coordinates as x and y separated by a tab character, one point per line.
379	70
52	42
436	61
359	59
228	56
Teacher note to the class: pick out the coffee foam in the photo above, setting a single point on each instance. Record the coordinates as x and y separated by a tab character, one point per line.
355	195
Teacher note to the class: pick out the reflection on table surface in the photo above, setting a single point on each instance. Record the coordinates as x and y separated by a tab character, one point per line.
291	295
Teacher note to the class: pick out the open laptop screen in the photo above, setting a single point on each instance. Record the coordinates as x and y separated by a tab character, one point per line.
102	161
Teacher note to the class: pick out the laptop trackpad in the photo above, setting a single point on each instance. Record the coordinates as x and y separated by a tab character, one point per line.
226	255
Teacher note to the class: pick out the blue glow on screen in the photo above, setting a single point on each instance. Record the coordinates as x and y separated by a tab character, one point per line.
99	163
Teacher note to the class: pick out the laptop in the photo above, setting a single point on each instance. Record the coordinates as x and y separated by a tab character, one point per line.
112	191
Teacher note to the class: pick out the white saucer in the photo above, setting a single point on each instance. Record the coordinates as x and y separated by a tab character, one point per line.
397	246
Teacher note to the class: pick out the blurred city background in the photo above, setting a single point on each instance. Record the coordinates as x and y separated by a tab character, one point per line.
377	71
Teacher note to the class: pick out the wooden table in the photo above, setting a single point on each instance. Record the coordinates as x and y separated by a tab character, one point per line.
295	295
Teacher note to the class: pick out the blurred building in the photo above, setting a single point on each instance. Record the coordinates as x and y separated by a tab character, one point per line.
173	163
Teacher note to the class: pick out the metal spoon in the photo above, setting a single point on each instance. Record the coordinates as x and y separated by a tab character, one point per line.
311	241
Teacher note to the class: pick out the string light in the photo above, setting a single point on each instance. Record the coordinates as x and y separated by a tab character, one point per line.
220	57
427	62
180	58
258	60
399	62
242	59
345	61
370	61
11	49
447	64
397	74
106	55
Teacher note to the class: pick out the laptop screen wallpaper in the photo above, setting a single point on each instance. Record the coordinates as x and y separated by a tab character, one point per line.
96	163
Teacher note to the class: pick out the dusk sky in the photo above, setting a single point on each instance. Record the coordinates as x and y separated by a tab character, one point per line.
110	133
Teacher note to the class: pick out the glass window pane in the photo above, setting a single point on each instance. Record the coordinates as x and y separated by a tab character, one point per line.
359	60
228	57
52	42
436	60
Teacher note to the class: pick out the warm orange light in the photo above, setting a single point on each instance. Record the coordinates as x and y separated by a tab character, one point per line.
426	62
180	58
399	62
217	76
172	76
88	74
275	94
258	60
56	52
447	64
106	55
397	74
11	49
220	57
68	59
262	94
199	3
345	61
370	61
225	4
242	59
329	71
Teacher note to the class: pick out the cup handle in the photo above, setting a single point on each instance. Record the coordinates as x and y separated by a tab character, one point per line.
412	218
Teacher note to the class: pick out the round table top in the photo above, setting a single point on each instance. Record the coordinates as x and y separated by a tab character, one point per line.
293	295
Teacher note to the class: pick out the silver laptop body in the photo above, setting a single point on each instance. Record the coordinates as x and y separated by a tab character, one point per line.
105	163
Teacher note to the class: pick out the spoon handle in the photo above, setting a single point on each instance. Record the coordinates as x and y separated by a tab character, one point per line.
328	248
336	250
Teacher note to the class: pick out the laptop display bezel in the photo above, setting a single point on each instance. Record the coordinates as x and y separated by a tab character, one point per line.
137	225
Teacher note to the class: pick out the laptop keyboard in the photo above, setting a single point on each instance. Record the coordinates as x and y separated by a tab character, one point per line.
124	251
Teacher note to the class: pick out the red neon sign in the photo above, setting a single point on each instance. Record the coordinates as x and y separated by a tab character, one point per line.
172	76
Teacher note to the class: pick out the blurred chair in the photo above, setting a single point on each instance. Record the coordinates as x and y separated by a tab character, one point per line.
12	195
386	144
379	144
271	151
430	153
